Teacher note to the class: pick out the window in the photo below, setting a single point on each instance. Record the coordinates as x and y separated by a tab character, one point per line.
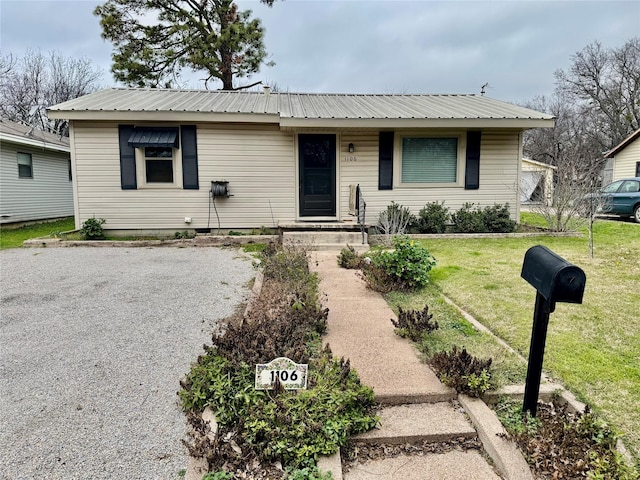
429	160
612	187
70	172
25	165
158	164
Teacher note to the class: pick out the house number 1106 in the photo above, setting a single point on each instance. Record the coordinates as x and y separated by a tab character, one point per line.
284	375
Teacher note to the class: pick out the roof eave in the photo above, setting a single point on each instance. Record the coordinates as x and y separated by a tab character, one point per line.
32	142
622	145
163	116
517	123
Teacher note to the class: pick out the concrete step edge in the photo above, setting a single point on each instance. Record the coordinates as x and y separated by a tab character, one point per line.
429	398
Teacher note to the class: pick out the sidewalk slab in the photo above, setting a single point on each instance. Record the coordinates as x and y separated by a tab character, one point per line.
437	422
455	465
360	329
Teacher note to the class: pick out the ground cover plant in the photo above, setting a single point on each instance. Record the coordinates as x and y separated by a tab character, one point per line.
15	237
260	427
592	348
555	434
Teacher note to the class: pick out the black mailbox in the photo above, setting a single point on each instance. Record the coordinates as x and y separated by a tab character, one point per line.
555	280
552	276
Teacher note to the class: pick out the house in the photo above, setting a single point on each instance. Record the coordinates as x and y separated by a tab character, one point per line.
625	158
536	182
35	174
148	160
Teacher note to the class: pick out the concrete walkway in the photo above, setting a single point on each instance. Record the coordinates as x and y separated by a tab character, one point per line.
416	405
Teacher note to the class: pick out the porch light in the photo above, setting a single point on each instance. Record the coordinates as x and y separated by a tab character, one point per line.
351	148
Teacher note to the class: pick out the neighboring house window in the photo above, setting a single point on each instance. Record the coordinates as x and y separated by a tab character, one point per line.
429	160
70	172
25	165
637	169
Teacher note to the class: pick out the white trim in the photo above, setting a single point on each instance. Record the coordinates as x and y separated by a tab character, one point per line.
397	158
141	171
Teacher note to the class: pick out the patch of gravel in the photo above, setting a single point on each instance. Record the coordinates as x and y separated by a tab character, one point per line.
94	342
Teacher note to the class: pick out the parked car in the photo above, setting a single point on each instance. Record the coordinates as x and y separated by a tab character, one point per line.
621	197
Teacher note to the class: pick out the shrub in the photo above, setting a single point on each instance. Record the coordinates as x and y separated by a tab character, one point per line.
406	267
413	324
92	229
432	218
497	219
494	219
348	258
462	371
468	220
258	427
395	220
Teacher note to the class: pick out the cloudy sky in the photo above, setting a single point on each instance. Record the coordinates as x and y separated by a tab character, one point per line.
371	46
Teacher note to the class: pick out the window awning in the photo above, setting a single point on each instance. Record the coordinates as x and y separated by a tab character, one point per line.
154	137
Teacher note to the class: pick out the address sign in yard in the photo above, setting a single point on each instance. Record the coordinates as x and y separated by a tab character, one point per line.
291	375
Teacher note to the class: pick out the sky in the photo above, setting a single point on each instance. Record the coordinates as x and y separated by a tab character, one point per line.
373	46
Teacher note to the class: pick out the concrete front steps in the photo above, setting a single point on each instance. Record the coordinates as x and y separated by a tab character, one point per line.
333	236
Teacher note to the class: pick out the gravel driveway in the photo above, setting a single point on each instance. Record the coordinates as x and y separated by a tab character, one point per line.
94	342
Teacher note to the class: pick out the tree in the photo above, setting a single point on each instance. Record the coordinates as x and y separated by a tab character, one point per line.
596	104
30	84
605	85
210	36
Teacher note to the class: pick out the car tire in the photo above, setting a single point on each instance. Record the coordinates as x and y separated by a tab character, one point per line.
636	214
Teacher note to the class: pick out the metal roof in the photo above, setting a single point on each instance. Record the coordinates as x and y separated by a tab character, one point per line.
289	108
27	135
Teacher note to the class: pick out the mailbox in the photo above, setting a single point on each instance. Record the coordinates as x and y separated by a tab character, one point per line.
555	280
552	276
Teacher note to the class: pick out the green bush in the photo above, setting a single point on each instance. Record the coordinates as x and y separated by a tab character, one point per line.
493	219
432	218
92	229
407	266
468	220
498	220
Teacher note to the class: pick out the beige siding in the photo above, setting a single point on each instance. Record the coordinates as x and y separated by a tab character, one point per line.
625	161
499	159
47	195
258	162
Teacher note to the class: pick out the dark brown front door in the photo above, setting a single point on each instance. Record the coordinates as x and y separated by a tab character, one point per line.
317	156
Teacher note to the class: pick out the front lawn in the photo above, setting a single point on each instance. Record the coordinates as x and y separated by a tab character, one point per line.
593	348
14	237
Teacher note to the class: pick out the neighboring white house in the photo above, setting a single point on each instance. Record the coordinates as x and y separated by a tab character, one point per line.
145	159
35	174
626	157
536	182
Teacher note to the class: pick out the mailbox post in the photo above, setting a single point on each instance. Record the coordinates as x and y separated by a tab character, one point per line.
555	280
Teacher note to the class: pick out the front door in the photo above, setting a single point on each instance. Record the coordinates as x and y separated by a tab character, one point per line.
317	157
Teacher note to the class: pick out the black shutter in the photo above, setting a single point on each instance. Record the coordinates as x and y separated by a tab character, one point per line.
637	169
127	159
385	161
472	171
189	158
